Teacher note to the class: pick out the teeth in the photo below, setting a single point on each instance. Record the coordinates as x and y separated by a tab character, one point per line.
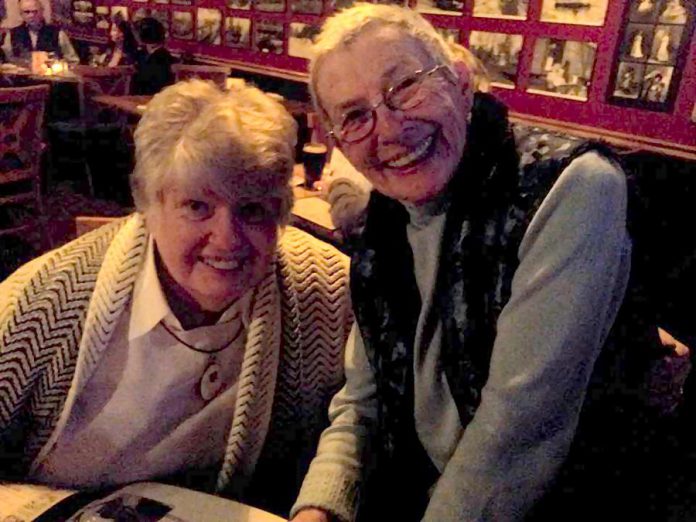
220	264
413	156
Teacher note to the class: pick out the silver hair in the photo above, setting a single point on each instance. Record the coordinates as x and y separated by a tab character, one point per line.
194	135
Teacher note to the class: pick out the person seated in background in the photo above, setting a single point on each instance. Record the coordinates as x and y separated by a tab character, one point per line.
499	362
197	341
154	68
34	34
122	48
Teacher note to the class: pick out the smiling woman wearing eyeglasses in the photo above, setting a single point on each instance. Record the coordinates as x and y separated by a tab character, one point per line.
481	378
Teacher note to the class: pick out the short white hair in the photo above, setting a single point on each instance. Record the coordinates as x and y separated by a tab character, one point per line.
345	26
194	135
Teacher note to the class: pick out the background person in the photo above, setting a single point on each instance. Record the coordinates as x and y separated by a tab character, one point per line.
196	341
122	48
154	69
484	367
34	34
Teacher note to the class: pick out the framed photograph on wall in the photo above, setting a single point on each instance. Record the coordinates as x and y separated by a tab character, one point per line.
119	11
268	36
182	25
307	6
500	54
301	39
441	7
238	32
103	21
562	68
239	4
511	9
652	51
584	12
208	23
270	6
83	13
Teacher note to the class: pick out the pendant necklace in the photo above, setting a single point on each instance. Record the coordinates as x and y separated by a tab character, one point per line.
210	383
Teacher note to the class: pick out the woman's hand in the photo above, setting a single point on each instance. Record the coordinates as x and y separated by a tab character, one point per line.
312	515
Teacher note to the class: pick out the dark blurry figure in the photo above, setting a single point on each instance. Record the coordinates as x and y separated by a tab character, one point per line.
34	34
155	64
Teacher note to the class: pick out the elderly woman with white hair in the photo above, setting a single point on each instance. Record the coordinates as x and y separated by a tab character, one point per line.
486	376
198	340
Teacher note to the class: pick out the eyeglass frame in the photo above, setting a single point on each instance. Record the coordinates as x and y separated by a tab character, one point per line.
423	74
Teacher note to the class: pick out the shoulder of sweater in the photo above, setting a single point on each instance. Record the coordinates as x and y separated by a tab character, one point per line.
86	250
297	243
594	176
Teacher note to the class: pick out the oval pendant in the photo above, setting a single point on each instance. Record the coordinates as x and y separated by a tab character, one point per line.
211	382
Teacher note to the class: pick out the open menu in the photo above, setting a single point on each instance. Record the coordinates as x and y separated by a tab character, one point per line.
142	501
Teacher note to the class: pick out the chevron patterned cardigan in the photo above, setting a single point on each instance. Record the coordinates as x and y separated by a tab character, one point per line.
57	314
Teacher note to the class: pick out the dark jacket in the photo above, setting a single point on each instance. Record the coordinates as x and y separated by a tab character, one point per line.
47	40
154	72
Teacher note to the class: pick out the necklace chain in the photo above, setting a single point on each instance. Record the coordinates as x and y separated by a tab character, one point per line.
199	350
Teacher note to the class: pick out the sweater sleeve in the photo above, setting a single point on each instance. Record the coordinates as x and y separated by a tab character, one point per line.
335	473
574	264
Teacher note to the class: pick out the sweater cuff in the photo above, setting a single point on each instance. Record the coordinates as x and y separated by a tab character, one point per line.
329	487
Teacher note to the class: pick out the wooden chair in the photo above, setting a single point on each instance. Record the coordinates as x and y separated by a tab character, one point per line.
84	224
216	74
114	81
94	118
21	146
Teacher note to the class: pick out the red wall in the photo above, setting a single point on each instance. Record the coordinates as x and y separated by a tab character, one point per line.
673	127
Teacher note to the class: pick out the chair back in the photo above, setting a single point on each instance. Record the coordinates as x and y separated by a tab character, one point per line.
216	74
113	81
21	129
84	224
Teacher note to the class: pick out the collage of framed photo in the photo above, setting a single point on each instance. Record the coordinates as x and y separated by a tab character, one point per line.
652	49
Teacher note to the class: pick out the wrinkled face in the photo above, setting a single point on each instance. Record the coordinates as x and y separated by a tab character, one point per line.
213	248
32	13
116	34
411	154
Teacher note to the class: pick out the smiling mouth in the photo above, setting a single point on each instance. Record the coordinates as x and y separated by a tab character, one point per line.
221	263
418	154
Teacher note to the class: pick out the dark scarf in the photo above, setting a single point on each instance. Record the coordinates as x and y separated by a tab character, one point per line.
47	40
491	205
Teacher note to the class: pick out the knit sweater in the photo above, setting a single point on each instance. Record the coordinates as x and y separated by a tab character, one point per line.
57	314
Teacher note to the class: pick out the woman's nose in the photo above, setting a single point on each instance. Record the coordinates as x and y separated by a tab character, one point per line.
389	124
227	231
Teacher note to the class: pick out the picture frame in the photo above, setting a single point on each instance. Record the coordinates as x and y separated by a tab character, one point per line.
238	32
269	6
300	39
244	5
269	36
504	9
500	55
440	7
574	12
649	60
208	25
307	6
562	68
182	25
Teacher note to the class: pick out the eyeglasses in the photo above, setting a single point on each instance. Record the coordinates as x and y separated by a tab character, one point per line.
359	122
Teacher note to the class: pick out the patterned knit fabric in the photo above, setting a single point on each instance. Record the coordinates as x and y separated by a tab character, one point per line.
57	314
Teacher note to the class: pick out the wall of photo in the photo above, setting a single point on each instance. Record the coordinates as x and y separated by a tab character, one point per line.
623	66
